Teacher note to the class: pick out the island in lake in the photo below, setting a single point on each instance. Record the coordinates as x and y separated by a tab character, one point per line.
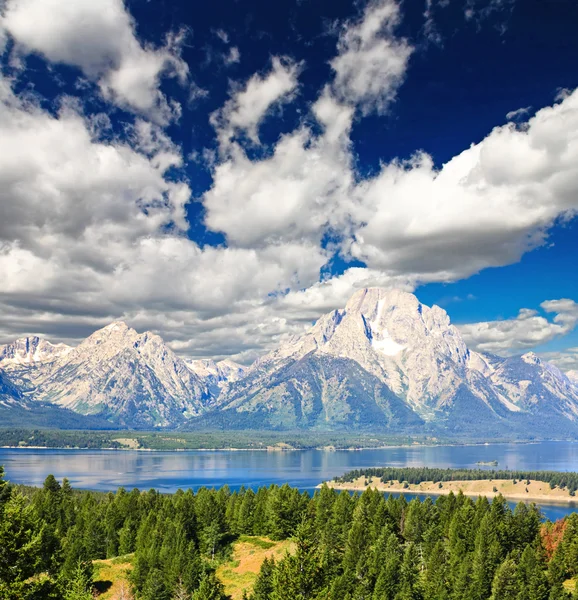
534	486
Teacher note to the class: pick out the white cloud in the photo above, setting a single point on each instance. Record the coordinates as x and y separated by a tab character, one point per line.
99	38
480	10
222	35
566	360
515	115
304	189
246	109
234	56
371	62
485	207
527	330
93	229
289	196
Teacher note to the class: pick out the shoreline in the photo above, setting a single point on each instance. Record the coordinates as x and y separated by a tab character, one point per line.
328	448
538	492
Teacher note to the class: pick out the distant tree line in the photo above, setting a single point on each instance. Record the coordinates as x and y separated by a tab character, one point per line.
348	547
170	440
420	474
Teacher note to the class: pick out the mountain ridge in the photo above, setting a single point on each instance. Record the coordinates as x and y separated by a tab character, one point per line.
385	361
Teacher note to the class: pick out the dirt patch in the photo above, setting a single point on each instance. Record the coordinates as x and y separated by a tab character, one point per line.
111	578
249	552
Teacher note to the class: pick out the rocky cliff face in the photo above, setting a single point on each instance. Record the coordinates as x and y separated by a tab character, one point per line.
216	375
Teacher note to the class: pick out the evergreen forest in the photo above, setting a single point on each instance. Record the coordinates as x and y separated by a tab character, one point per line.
346	547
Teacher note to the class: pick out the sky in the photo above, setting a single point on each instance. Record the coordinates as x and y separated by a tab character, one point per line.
223	173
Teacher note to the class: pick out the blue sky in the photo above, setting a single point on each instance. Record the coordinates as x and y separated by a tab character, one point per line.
223	173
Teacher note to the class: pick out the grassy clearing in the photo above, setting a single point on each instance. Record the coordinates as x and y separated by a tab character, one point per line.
249	552
111	578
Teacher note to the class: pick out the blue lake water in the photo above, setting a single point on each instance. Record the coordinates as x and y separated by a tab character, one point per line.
168	471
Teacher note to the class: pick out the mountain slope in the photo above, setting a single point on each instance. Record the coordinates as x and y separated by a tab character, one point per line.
386	344
16	410
216	375
319	392
131	378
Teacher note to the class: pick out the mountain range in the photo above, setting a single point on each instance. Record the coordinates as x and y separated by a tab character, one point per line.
385	362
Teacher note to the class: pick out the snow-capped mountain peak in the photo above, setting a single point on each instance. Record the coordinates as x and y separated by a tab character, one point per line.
417	354
31	350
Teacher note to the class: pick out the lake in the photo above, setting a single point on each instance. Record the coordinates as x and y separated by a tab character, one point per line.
168	471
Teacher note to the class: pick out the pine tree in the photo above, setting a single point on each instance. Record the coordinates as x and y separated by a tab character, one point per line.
263	587
298	576
505	585
486	557
21	552
5	490
79	587
210	588
436	586
155	587
533	583
409	588
387	582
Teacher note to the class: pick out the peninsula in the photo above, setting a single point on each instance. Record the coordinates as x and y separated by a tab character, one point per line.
536	486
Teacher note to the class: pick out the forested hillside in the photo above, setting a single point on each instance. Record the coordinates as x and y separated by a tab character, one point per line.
346	547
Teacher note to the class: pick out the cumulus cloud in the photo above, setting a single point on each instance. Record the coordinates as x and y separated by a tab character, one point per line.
485	207
246	109
99	38
528	330
92	230
371	61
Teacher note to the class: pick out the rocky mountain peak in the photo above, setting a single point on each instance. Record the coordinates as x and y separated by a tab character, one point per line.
366	301
31	350
531	359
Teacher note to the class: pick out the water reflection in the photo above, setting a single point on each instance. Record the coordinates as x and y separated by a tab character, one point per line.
168	471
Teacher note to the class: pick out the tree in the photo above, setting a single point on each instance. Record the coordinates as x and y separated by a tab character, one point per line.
263	587
5	490
21	552
210	588
409	588
298	576
387	582
505	585
181	592
532	576
79	588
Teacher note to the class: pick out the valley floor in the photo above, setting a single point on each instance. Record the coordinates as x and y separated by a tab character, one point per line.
535	491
